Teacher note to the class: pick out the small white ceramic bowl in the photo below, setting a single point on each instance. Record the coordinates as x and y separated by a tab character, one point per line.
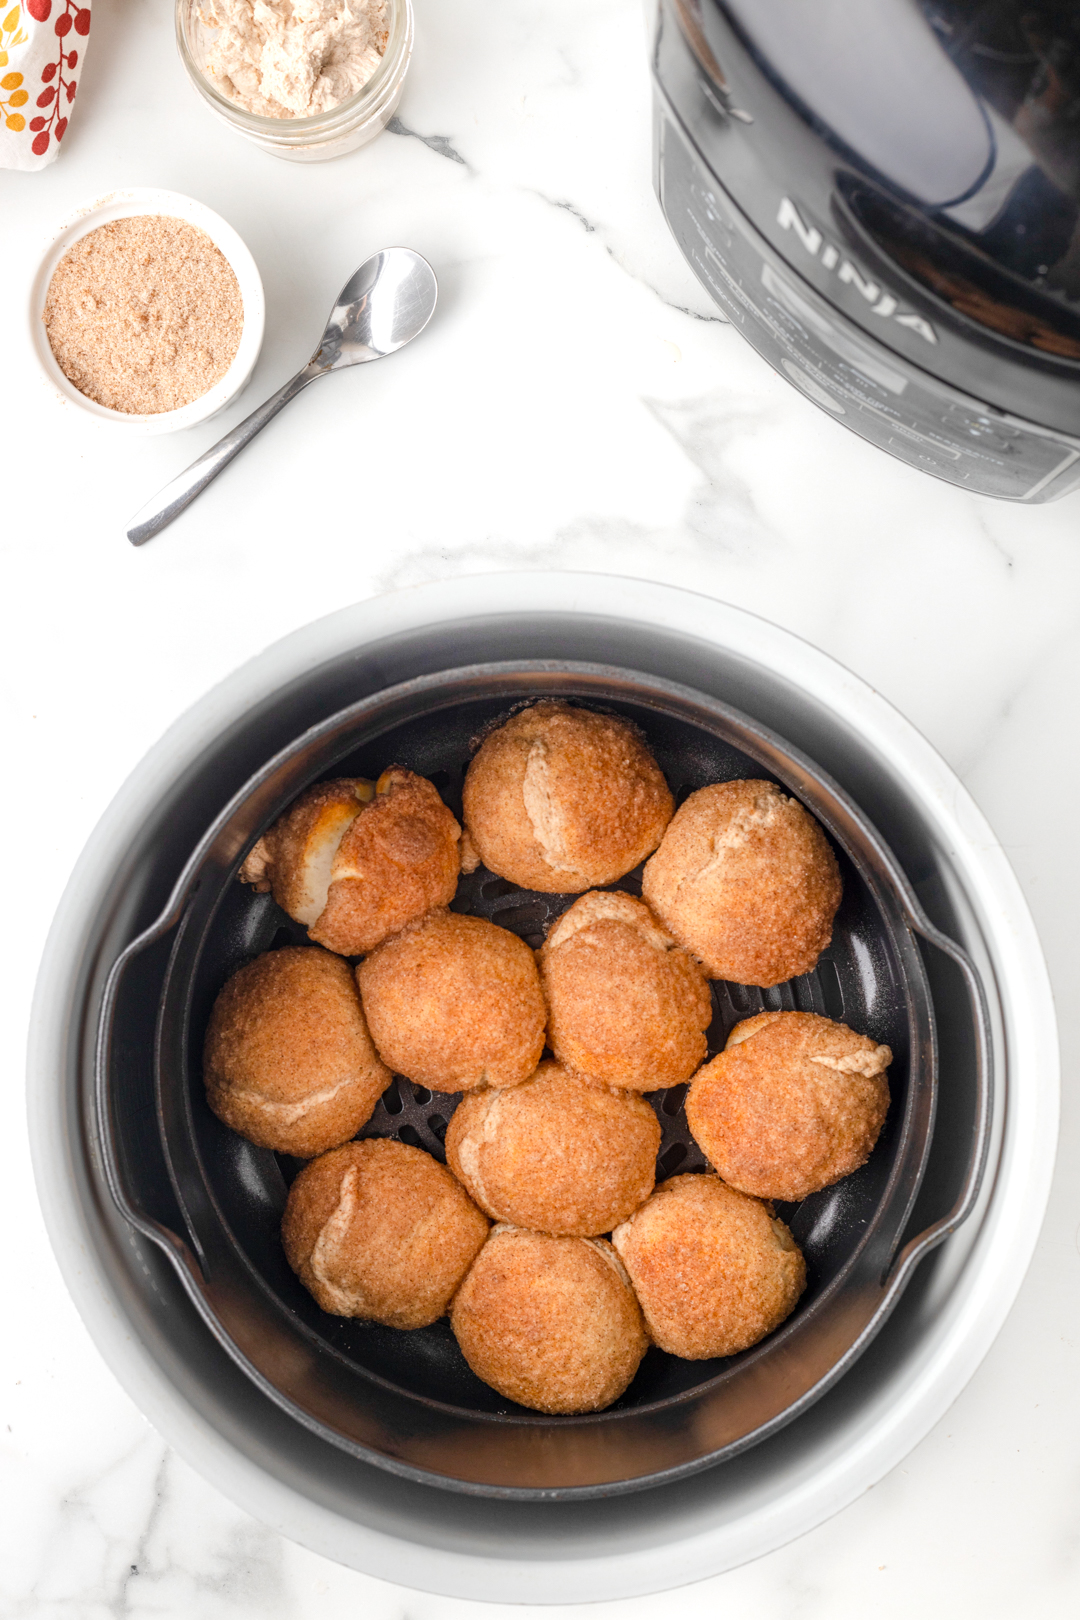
126	205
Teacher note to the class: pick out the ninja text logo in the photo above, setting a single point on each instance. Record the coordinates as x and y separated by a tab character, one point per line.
830	258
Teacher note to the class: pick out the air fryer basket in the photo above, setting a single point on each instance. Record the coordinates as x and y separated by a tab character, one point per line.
408	1401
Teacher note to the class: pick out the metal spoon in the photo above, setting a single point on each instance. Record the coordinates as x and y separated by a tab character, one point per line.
388	301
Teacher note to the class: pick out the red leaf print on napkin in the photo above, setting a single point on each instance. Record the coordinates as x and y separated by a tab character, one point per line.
73	16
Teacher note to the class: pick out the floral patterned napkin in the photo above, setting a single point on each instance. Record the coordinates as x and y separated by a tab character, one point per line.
41	49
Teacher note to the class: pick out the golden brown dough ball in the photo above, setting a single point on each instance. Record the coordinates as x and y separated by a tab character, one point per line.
295	857
556	1154
793	1103
627	1005
288	1061
550	1322
383	1231
713	1270
561	799
746	880
356	861
454	1003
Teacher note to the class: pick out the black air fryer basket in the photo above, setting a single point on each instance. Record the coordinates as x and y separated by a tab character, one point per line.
407	1400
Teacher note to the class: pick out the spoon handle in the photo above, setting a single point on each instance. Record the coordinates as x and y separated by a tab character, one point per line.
169	502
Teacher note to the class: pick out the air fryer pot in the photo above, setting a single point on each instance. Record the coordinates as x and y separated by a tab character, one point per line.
160	1343
212	1203
884	198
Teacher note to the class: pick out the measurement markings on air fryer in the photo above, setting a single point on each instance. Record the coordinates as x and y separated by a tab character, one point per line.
860	383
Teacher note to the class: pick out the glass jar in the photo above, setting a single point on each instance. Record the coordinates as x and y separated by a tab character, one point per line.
326	134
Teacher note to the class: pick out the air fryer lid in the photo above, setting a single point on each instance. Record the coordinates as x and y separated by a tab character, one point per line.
886	201
877	78
943	146
408	1401
965	113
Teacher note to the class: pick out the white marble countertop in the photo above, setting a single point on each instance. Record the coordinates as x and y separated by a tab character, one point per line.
575	404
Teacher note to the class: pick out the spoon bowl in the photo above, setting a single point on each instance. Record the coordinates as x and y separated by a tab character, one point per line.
385	304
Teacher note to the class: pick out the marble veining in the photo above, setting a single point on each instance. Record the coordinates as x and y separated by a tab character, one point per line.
435	143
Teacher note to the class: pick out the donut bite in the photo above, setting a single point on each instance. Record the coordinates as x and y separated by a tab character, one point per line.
792	1104
627	1005
746	880
713	1269
455	1002
550	1322
288	1061
380	1230
560	799
356	861
555	1154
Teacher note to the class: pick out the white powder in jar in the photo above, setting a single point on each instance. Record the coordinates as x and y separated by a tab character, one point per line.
294	58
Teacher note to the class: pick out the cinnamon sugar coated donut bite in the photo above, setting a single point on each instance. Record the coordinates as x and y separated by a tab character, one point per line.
356	861
746	880
555	1154
455	1002
288	1061
294	859
560	799
713	1269
380	1230
550	1322
627	1005
792	1104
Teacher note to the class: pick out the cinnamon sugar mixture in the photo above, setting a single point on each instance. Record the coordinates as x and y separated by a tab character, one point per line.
144	315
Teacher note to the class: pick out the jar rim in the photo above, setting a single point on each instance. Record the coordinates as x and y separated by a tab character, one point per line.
389	70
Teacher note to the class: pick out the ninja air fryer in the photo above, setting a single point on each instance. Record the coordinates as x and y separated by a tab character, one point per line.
883	196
